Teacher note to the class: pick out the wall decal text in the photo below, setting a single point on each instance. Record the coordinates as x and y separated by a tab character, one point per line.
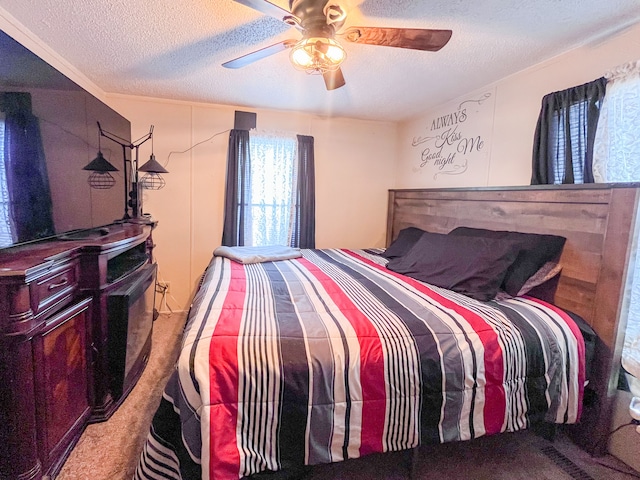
457	139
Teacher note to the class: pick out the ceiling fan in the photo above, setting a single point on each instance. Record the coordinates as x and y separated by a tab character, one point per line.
320	22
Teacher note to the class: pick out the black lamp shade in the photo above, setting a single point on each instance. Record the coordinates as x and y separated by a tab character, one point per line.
152	166
100	164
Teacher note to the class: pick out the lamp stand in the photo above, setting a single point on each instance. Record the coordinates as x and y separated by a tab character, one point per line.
126	194
131	195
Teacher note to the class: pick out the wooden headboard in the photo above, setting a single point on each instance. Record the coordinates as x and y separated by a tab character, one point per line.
598	221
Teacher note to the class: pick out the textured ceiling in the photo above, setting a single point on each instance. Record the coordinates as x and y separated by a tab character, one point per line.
175	48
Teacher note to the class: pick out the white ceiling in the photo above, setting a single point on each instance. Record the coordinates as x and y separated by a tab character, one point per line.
175	48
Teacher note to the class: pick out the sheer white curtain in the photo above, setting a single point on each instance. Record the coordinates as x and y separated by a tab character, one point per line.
271	198
6	238
616	158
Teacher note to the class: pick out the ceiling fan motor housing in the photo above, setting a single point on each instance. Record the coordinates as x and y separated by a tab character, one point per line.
317	15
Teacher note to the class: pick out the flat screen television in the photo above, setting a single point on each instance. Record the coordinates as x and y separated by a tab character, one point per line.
48	133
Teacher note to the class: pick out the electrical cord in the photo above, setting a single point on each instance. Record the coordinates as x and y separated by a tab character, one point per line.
194	145
610	467
633	422
615	430
162	287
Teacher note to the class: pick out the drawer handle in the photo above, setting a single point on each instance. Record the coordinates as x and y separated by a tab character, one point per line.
61	283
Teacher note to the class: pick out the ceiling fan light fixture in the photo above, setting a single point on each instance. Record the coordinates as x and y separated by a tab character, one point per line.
300	57
317	55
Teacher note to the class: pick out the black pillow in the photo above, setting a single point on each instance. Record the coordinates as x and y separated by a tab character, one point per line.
473	266
534	251
404	241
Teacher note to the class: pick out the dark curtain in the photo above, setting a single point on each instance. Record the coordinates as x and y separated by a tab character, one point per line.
304	227
563	142
238	179
27	180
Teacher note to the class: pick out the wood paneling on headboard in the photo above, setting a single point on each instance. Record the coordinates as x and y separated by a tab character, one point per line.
598	221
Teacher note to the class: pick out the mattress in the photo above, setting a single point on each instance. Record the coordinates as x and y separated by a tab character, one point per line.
332	356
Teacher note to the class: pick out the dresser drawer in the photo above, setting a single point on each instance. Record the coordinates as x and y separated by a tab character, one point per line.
54	289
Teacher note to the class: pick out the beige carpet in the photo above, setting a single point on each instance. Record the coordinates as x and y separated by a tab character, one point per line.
110	450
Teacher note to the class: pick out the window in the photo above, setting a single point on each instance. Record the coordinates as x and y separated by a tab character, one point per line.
272	174
564	138
270	190
572	120
6	238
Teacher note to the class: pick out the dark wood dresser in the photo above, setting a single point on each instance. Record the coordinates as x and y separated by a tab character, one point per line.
55	375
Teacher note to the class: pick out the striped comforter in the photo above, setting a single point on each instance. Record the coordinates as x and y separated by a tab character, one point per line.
332	356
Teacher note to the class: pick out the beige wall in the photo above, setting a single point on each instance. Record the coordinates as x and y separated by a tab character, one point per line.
517	104
354	170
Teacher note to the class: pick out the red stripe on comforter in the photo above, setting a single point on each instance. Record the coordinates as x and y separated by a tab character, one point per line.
495	401
372	376
223	372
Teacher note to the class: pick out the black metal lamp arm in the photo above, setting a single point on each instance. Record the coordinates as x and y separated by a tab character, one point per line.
134	164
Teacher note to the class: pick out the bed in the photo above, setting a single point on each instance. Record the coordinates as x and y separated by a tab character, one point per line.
333	355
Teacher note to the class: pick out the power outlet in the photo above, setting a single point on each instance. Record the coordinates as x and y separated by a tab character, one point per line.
168	287
163	287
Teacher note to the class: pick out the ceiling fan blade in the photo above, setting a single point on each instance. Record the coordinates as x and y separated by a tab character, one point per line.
333	79
268	8
413	38
249	58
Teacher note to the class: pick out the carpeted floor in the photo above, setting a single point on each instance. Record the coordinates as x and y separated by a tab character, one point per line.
110	450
